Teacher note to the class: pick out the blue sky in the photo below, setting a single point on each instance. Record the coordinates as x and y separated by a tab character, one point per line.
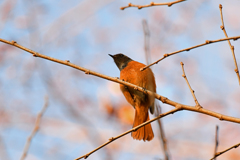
85	32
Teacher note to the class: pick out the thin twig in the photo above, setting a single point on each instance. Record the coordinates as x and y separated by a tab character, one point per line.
117	80
219	153
129	131
157	111
169	4
192	91
216	142
35	129
231	47
188	49
146	41
162	135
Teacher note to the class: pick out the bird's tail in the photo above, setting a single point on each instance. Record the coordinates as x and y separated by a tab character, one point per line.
145	132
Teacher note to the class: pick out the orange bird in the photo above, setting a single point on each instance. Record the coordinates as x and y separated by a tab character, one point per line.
130	72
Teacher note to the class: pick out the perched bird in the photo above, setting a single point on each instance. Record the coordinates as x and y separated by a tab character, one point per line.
130	72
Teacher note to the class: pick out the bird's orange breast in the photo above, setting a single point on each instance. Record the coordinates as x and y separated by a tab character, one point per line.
132	74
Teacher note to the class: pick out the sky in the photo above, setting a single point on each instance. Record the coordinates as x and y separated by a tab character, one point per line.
85	111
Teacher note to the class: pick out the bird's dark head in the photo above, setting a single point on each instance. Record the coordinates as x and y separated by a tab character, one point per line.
121	60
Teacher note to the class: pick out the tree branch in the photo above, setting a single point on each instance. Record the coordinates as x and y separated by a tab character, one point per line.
231	47
131	130
188	49
117	80
216	142
146	41
157	111
35	129
162	135
219	153
192	91
169	4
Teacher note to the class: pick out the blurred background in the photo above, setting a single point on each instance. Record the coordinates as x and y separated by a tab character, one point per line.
85	111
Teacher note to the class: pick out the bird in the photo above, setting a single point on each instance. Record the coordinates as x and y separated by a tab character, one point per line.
130	72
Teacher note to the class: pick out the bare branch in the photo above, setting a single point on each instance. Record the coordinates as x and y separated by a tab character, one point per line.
158	109
216	142
169	4
231	47
117	80
146	41
192	91
188	49
35	129
129	131
162	135
219	153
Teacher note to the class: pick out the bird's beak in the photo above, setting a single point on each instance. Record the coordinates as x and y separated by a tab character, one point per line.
111	55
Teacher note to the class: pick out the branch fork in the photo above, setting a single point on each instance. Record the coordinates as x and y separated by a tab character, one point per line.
198	106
